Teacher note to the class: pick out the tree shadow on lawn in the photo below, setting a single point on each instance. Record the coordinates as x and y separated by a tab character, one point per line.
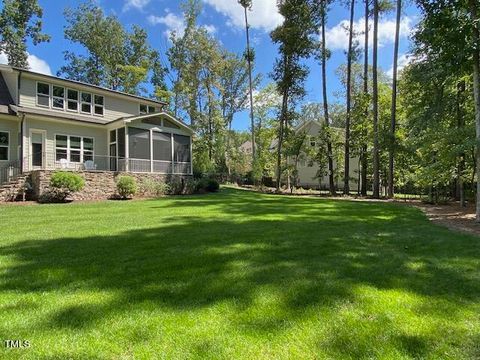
315	257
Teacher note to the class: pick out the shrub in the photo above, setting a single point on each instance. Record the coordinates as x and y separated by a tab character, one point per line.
64	183
207	185
153	187
126	186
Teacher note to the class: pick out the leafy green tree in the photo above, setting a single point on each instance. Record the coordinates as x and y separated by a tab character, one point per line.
116	58
319	11
247	5
296	42
448	36
350	59
20	20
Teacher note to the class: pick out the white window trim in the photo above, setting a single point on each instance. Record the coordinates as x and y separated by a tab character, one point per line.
49	94
148	110
65	99
84	102
58	97
71	100
7	146
69	149
102	106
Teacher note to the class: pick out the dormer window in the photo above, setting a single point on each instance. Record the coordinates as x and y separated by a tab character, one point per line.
43	94
58	97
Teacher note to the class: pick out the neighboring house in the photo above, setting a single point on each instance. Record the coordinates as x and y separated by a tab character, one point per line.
49	123
307	167
246	148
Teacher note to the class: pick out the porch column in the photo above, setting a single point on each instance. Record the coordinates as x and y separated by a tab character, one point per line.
173	152
24	153
191	157
151	150
127	152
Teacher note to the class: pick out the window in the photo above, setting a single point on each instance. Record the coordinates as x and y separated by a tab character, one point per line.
99	105
43	94
4	141
60	98
162	146
73	148
313	143
87	149
182	148
72	100
58	101
146	109
61	147
86	103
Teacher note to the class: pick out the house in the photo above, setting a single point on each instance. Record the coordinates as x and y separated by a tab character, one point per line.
306	166
49	123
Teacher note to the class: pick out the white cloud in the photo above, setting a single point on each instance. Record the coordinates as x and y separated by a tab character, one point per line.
173	23
211	29
264	15
403	60
35	63
337	36
137	4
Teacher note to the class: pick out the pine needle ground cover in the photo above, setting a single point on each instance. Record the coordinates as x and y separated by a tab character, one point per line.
236	275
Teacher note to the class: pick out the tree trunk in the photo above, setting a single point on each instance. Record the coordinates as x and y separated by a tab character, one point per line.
376	159
346	179
364	159
393	124
252	119
461	160
476	90
325	103
283	116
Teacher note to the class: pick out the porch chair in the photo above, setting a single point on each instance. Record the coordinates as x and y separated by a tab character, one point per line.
90	165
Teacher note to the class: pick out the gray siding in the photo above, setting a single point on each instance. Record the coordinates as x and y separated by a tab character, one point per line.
12	127
52	128
115	107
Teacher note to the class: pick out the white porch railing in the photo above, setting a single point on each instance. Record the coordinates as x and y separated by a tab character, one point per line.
48	161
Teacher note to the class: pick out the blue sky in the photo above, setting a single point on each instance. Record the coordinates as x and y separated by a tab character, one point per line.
224	20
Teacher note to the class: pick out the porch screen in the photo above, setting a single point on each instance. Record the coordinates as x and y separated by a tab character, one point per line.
182	148
138	143
121	142
162	146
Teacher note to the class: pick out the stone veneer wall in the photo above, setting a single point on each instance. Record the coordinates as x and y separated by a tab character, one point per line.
99	185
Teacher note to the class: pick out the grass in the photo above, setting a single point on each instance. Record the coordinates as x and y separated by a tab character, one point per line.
236	275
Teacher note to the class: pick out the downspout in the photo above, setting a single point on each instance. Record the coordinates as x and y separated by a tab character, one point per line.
22	125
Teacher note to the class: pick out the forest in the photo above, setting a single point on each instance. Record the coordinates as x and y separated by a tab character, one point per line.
415	132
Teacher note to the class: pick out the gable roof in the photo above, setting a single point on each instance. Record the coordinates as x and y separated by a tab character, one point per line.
181	124
81	83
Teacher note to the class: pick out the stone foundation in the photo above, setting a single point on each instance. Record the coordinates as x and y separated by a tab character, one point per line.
101	185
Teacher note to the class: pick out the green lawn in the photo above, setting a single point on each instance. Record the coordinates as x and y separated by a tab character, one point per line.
236	275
